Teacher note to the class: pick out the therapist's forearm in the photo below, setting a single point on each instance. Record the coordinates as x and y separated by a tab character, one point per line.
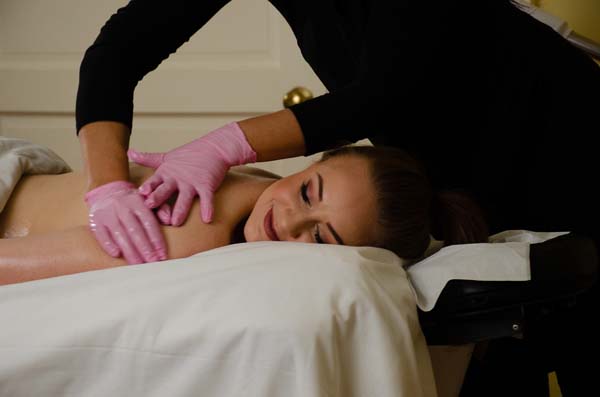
274	136
104	151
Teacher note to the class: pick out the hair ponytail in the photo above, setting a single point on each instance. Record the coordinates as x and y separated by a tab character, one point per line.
457	219
408	211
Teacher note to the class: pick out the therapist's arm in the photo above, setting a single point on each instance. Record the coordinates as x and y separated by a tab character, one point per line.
274	136
104	151
123	225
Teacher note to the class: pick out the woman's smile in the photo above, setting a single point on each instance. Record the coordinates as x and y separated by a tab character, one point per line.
269	226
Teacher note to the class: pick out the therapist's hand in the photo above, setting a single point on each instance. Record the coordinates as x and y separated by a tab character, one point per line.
194	169
123	224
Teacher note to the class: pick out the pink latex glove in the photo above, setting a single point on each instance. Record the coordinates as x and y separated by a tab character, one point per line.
123	224
194	169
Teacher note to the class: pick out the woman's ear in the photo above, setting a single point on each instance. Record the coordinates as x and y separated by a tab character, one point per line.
458	219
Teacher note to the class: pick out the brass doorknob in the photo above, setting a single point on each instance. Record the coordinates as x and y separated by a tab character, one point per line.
296	95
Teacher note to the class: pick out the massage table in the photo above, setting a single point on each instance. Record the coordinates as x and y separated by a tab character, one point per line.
262	319
276	318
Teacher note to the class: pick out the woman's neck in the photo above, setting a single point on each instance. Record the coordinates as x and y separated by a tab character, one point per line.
238	233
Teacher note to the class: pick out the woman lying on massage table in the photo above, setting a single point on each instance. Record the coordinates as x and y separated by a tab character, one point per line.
353	196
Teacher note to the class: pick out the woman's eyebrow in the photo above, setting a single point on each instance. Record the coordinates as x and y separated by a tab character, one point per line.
320	187
331	229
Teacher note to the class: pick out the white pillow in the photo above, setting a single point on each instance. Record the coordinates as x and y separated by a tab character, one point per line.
257	319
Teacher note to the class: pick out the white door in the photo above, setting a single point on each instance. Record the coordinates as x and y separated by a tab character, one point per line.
239	65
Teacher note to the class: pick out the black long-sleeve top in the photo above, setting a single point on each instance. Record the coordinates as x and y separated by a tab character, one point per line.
470	87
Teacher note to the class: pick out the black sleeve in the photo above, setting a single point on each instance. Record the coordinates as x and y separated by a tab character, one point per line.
133	42
340	117
391	69
403	62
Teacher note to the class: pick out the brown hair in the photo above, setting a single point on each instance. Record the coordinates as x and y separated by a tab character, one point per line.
403	198
457	219
408	210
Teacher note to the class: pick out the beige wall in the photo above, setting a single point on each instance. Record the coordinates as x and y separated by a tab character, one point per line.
239	65
582	15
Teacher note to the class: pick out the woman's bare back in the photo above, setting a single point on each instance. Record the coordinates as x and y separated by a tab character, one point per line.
42	204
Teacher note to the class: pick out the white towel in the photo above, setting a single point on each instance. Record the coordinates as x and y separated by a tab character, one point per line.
504	258
19	157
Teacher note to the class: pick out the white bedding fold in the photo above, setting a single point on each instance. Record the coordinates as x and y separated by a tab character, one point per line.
19	157
259	319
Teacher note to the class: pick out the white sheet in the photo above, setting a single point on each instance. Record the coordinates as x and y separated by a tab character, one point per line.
259	319
18	157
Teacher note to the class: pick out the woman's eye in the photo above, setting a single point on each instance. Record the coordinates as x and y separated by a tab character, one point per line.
303	191
317	236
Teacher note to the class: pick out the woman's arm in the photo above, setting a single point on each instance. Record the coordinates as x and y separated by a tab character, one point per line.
53	254
76	250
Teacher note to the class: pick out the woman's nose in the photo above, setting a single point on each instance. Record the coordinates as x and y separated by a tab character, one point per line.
295	226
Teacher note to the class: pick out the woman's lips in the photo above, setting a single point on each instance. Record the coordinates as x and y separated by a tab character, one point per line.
268	225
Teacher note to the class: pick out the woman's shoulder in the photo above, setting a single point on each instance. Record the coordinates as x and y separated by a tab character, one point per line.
254	171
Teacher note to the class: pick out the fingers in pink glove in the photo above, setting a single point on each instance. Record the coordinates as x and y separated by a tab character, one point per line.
182	206
150	184
153	232
152	160
161	194
142	230
123	224
130	254
198	165
206	205
164	214
108	245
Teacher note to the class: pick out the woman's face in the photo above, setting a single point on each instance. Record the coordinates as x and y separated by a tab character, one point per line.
331	202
